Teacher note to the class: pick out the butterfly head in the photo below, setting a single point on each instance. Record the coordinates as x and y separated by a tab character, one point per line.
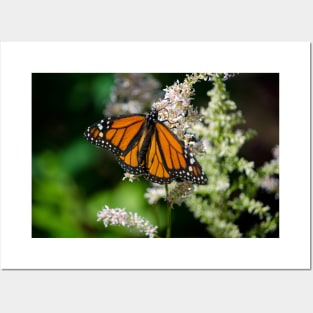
152	116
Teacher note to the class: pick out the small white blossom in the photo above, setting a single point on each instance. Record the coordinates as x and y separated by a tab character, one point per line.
154	194
180	192
119	216
270	184
276	152
130	177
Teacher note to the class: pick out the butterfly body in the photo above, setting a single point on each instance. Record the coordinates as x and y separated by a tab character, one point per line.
144	145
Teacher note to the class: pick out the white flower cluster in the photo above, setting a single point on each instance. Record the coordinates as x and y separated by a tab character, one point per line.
118	216
176	109
177	193
271	183
132	93
154	194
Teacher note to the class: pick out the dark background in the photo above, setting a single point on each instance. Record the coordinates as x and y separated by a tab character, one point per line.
72	179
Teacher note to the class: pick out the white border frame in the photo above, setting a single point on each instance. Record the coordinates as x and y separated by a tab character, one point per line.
290	251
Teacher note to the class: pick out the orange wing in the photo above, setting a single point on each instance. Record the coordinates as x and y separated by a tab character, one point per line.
168	158
144	145
121	135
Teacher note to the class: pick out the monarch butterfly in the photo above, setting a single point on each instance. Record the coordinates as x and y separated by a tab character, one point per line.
144	145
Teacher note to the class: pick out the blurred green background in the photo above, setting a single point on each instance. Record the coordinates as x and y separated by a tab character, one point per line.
72	180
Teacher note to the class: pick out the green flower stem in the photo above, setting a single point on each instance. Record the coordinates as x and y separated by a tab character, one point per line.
169	214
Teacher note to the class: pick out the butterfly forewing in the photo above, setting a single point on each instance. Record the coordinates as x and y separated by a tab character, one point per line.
118	134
